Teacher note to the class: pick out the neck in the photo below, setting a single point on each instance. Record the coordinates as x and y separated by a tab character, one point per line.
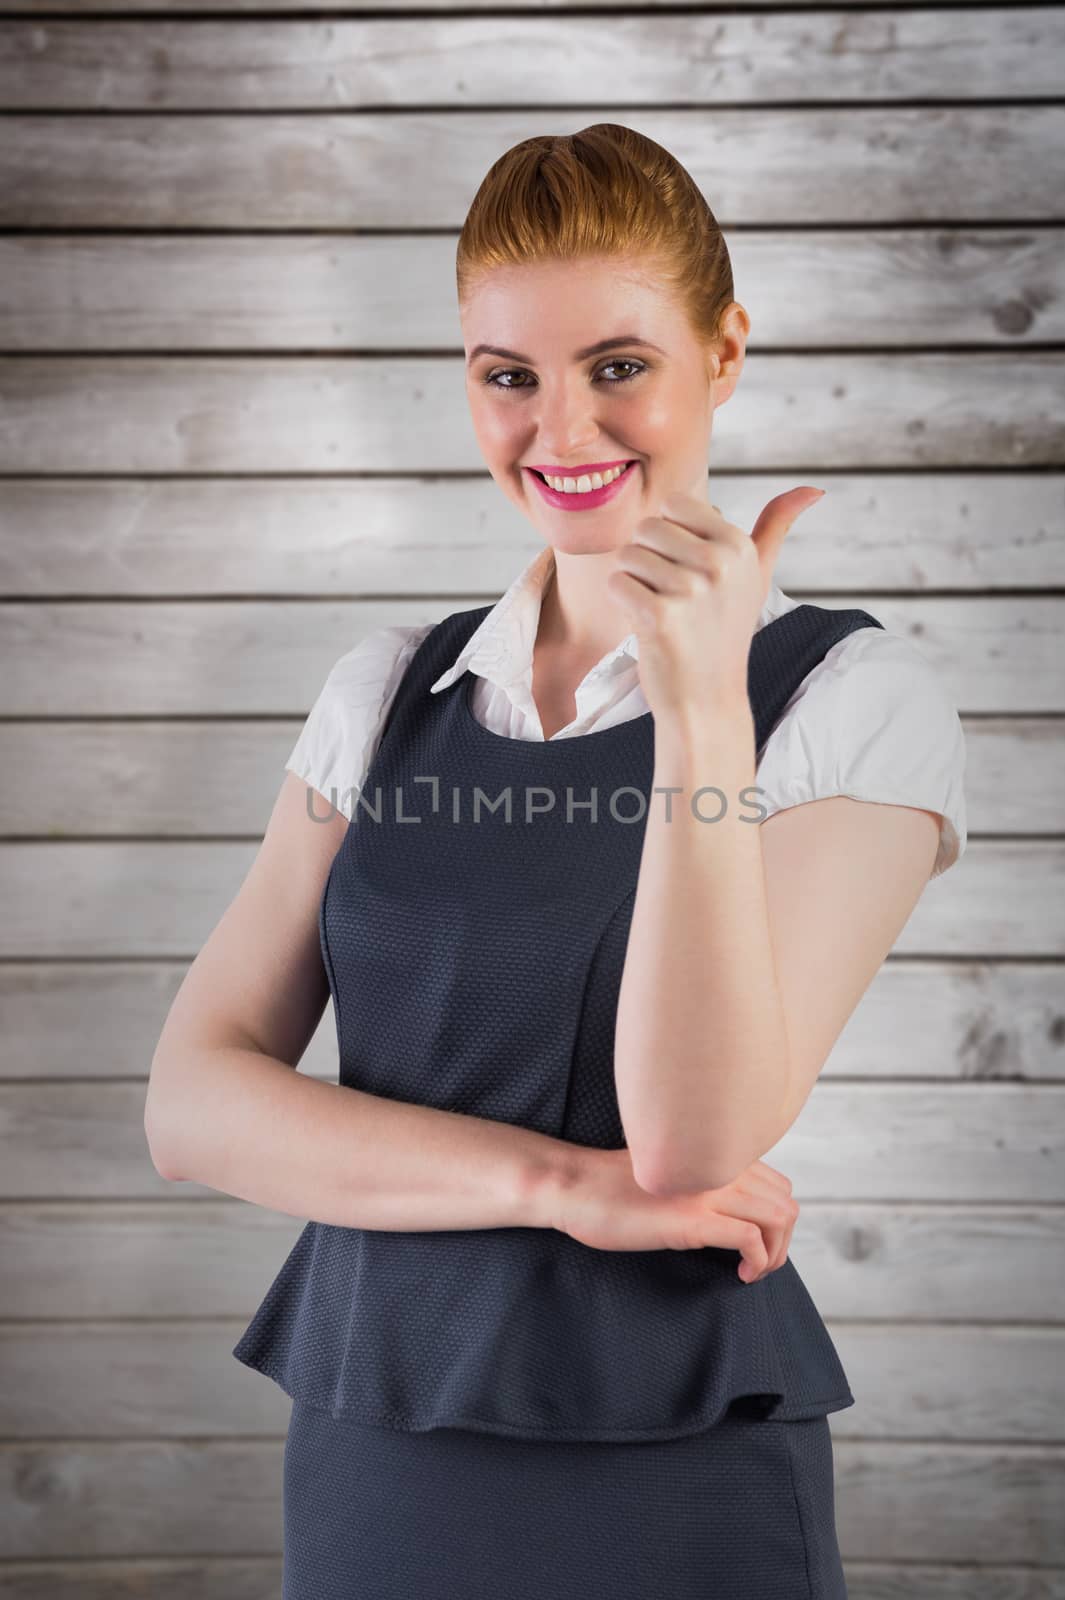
576	614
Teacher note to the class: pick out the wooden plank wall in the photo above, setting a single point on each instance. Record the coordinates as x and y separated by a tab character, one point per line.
233	439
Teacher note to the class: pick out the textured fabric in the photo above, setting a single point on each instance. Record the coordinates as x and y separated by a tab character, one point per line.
871	721
743	1511
475	956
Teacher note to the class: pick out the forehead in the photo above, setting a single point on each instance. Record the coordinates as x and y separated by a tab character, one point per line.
570	303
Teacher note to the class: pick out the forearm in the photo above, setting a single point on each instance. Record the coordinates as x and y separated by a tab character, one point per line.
259	1130
701	1050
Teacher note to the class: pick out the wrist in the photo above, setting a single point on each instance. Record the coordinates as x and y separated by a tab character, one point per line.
548	1179
722	729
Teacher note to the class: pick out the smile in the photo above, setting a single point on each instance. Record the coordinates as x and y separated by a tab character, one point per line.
586	501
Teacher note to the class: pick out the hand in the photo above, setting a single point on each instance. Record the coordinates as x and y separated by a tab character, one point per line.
691	586
754	1214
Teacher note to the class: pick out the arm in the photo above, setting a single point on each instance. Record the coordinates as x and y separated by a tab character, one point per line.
749	948
225	1107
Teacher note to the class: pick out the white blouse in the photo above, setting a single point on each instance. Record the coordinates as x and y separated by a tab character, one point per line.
871	721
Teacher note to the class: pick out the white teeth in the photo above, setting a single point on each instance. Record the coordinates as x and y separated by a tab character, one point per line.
586	482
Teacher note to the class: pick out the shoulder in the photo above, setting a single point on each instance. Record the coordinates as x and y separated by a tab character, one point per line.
364	674
337	741
874	721
884	678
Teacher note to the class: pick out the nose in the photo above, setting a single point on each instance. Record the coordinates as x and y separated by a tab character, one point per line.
567	428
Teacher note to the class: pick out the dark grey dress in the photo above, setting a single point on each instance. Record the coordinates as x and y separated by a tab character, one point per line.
508	1411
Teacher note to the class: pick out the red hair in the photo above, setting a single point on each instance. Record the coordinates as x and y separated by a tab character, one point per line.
606	192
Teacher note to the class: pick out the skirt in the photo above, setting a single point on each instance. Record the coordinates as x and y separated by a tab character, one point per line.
741	1511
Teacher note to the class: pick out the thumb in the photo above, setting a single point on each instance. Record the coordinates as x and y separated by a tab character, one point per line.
774	522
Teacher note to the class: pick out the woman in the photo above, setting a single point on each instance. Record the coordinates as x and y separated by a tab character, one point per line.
541	1333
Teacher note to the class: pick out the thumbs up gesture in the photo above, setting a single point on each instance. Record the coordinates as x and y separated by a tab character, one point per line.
692	585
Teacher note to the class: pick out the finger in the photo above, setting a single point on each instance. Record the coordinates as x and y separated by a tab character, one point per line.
781	1206
755	1184
774	522
684	542
729	1232
784	1244
654	567
770	1213
637	599
698	520
762	1182
725	1232
777	1179
773	1185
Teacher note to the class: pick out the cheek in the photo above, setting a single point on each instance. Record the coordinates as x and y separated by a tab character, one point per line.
658	423
498	435
485	416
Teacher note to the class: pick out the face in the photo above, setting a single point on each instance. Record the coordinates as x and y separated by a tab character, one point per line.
548	401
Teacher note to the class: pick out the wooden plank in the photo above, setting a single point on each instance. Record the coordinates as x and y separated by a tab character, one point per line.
221	1578
79	1378
124	900
950	1502
970	1020
172	292
1001	750
455	61
953	1020
945	1382
214	1257
803	413
810	166
346	537
247	9
867	1141
270	658
233	1578
223	777
113	1497
863	1261
995	1503
885	1580
102	1019
905	1142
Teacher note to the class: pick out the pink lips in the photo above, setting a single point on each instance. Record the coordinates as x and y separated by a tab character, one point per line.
574	472
583	502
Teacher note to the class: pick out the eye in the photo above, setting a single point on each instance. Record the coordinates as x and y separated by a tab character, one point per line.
511	372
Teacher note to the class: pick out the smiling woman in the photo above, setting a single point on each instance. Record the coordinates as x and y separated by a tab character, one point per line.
641	398
599	1374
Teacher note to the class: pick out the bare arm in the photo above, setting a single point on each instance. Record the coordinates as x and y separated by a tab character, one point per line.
226	1108
750	946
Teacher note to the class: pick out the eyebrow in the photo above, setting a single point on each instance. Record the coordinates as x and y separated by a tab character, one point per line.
578	355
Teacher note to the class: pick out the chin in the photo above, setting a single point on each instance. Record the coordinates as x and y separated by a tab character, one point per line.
589	543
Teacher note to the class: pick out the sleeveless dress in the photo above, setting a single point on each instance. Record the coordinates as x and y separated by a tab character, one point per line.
508	1412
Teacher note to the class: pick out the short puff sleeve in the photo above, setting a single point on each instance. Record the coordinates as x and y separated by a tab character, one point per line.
873	722
339	738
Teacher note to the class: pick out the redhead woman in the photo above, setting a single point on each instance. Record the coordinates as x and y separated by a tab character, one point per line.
595	877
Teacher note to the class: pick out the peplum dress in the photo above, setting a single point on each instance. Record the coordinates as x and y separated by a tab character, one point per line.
508	1412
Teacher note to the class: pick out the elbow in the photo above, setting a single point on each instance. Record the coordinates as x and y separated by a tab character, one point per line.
166	1172
161	1135
666	1178
160	1153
